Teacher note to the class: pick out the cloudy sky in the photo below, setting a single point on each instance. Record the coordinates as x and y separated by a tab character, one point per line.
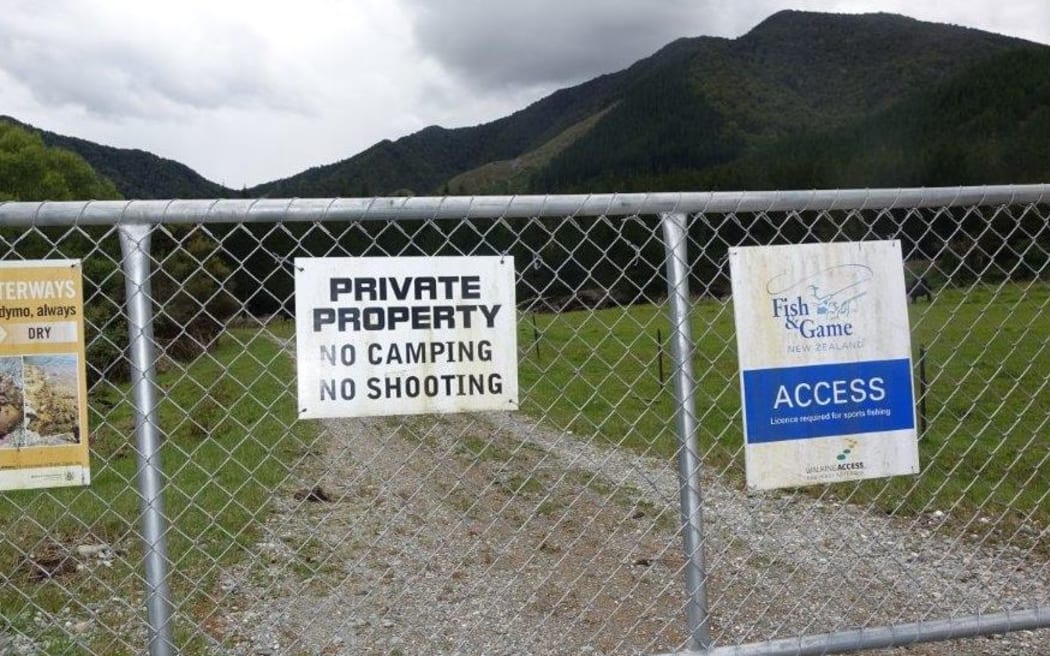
247	91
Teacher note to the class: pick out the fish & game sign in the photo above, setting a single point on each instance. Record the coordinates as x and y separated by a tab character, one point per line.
379	336
825	362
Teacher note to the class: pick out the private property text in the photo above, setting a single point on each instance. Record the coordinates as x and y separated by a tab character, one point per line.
452	310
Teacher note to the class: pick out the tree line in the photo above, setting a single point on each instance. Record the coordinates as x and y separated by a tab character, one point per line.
203	275
190	279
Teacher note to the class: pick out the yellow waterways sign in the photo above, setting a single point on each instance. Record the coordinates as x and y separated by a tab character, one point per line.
43	382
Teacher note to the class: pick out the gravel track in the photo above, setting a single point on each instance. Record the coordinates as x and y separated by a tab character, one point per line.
489	534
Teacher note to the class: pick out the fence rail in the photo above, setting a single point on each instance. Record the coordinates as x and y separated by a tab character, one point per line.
608	515
275	210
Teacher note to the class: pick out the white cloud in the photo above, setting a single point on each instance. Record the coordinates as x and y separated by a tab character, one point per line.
129	59
506	44
247	91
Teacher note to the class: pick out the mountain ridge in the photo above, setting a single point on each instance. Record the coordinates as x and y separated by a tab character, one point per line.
691	113
793	71
135	172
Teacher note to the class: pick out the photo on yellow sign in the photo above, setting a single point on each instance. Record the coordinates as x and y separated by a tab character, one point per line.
43	381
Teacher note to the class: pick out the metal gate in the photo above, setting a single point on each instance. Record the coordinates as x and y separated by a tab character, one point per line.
607	516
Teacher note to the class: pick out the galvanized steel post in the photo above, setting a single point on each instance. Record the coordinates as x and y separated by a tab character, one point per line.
676	239
134	244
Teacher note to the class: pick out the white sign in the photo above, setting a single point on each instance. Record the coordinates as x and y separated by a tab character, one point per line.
378	336
825	362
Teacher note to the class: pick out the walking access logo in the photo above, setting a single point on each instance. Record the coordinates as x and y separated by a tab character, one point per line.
844	462
850	445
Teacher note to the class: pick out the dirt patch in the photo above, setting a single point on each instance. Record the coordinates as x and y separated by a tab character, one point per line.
454	534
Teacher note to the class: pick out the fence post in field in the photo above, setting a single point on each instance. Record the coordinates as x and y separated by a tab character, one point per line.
535	336
676	249
135	247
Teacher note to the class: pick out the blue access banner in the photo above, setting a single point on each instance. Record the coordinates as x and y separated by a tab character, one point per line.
794	403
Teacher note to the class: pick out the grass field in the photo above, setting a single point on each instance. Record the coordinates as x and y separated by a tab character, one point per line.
984	453
230	441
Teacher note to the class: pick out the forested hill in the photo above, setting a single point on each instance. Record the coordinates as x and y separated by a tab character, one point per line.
802	100
681	118
774	97
987	125
136	173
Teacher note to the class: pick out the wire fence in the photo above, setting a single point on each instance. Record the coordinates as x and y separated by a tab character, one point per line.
606	515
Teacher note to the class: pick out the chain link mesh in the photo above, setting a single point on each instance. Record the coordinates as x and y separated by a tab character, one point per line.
554	529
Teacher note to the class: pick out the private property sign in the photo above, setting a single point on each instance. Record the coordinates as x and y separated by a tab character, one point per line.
825	362
43	382
379	336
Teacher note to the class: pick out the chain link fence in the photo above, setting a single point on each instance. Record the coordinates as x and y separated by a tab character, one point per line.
218	523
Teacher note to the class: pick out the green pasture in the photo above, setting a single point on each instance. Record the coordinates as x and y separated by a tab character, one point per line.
230	440
983	455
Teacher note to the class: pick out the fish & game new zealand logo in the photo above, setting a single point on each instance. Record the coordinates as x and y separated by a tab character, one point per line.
821	306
